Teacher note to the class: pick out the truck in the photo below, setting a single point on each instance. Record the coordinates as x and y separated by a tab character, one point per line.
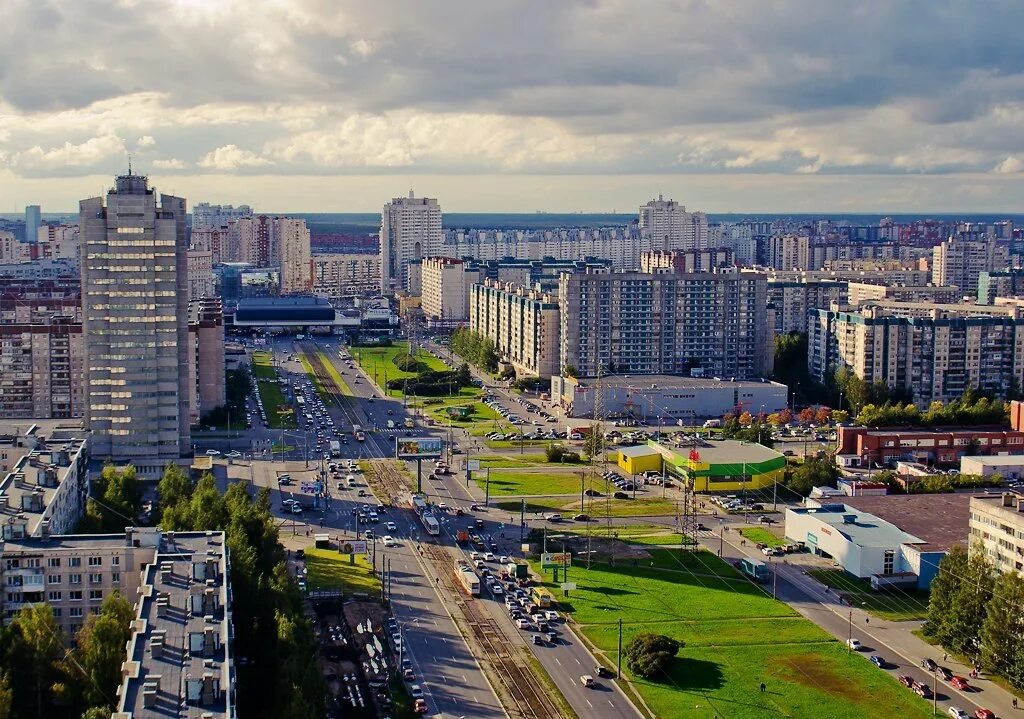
469	580
335	448
430	524
462	536
419	503
409	423
756	570
712	423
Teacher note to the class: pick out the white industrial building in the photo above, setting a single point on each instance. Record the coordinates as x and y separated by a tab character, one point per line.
1008	466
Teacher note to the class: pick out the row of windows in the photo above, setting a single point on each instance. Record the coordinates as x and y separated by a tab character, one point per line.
54	562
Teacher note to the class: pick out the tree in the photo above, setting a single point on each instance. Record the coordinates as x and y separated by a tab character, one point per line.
173	491
96	713
570	371
806	415
967	608
786	416
649	655
1002	634
813	473
840	415
774	419
206	509
120	501
943	588
39	646
823	415
94	667
6	696
593	443
746	419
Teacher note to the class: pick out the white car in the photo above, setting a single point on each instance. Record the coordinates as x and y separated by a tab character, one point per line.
958	713
489	557
388	540
392	527
212	453
503	559
854	644
551	616
234	454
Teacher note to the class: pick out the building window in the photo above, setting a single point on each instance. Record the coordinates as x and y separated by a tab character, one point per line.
75	612
53	562
74	561
55	596
95	578
95	561
53	579
115	561
74	579
75	596
888	561
95	594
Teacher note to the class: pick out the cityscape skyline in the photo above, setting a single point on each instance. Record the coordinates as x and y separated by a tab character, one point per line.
590	106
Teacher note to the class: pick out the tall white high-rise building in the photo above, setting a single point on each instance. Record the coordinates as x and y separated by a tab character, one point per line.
670	227
410	229
33	219
135	324
205	215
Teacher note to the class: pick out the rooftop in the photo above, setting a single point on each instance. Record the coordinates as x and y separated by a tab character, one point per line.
665	381
860	528
939	520
178	661
998	460
724	451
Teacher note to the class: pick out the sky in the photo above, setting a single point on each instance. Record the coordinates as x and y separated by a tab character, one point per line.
571	105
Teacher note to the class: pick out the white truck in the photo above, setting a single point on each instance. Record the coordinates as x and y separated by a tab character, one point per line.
335	448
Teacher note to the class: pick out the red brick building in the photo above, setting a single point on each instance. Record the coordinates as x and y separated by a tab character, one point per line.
944	446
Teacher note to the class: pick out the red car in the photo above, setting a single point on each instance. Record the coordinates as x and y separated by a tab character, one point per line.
906	680
960	683
984	714
420	707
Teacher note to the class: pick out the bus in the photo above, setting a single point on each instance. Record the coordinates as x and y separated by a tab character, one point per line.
756	570
430	524
419	503
542	597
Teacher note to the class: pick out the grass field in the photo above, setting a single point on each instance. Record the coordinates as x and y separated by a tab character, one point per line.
481	416
760	535
317	384
524	461
270	392
330	570
335	375
896	605
379	363
596	507
735	637
550	480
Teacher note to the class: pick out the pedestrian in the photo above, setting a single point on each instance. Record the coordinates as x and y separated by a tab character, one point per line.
945	656
763	687
867	620
1014	702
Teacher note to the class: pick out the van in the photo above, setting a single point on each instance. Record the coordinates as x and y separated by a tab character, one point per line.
708	424
391	424
350	480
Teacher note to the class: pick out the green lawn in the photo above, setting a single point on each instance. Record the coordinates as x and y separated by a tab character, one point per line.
481	416
759	535
525	461
335	375
330	570
895	604
596	507
317	384
378	363
735	637
536	481
270	392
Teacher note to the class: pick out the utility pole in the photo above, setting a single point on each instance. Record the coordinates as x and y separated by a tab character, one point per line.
618	655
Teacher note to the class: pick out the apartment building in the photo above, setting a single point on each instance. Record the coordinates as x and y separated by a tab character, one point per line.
178	660
686	260
524	325
346	276
33	219
621	246
789	252
218	241
824	254
791	299
997	525
41	349
874	274
200	274
669	226
295	258
42	270
206	366
12	250
205	215
59	242
1007	283
944	447
934	351
960	262
444	290
859	292
135	324
45	487
410	229
707	323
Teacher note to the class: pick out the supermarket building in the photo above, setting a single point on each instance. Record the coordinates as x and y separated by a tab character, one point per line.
709	466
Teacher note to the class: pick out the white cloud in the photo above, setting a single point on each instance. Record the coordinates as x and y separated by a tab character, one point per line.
231	157
145	141
84	155
1009	166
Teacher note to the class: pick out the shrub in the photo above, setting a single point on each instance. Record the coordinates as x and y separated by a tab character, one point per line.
648	655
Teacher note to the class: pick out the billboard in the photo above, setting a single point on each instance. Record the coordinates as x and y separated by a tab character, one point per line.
556	559
352	546
417	447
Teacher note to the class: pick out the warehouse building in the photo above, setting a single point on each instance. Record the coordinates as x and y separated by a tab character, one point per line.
709	466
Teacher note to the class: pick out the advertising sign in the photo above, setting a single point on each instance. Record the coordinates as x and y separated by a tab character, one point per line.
417	447
553	559
473	465
812	539
353	546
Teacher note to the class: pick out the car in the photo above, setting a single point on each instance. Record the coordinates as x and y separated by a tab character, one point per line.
877	661
296	508
603	671
587	681
503	559
944	673
620	495
388	540
854	644
420	706
982	713
496	589
233	454
581	517
552	637
523	623
489	557
416	691
922	690
368	534
392	527
538	639
765	520
929	665
906	680
551	616
960	683
212	453
958	713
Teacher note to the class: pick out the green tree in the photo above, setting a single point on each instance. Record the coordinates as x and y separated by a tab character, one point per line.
6	696
649	655
94	667
1002	634
173	491
119	502
570	371
952	569
967	608
96	713
594	442
813	473
39	645
206	510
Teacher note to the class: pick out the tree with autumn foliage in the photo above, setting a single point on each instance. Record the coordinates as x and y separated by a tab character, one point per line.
746	419
786	416
806	415
823	415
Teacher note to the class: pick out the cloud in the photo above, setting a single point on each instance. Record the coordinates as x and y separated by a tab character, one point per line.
169	164
86	155
145	141
1009	166
231	157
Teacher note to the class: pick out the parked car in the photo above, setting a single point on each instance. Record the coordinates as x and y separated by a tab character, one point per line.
854	644
906	680
877	661
982	713
958	713
960	683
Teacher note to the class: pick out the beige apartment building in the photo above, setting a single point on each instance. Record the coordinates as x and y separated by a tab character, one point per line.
410	229
789	252
686	260
997	526
445	289
934	351
959	262
859	292
200	274
178	660
711	324
621	246
206	368
792	298
295	256
345	276
523	324
669	226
